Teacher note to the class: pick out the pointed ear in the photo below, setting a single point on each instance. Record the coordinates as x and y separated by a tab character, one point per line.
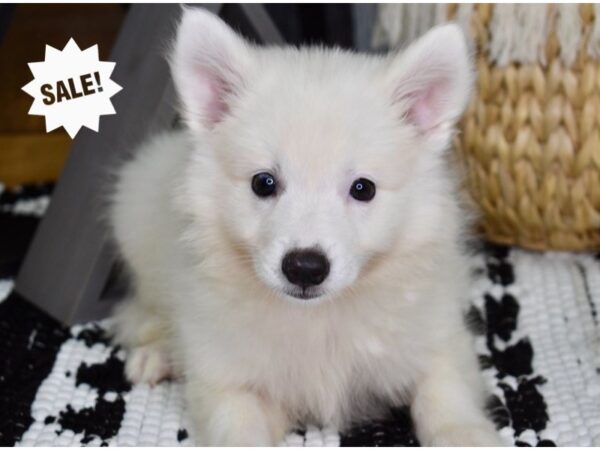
431	81
208	62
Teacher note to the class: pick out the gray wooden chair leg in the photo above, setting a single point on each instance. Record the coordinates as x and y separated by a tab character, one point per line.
69	261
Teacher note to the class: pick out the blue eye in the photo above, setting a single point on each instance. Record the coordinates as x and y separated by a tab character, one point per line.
264	184
363	190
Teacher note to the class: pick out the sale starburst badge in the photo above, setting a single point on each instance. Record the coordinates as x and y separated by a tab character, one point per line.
72	88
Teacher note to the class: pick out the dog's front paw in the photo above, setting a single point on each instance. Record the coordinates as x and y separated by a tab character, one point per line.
467	435
235	418
237	437
147	364
239	423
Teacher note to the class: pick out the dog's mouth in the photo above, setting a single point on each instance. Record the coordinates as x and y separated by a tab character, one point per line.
304	293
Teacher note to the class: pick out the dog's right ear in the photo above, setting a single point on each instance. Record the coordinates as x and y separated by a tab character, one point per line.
208	63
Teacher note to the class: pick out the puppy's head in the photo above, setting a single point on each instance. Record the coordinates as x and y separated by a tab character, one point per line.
313	163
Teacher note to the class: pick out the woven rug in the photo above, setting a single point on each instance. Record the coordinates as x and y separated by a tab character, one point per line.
535	317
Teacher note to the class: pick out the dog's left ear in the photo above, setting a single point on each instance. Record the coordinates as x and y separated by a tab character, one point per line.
431	80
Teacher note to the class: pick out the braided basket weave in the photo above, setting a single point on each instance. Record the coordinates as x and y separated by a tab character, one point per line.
530	144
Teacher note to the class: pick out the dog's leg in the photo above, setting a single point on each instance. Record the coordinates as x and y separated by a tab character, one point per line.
235	418
143	333
148	364
447	406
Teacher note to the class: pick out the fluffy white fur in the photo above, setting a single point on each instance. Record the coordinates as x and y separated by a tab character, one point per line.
206	252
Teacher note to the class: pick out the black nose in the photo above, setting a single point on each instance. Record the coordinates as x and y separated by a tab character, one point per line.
305	268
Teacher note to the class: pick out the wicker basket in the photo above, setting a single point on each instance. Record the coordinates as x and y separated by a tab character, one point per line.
530	143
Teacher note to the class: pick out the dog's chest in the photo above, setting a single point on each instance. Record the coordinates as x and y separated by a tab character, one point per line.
318	362
323	362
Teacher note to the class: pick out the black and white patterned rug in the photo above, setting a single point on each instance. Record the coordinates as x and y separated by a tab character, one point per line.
535	317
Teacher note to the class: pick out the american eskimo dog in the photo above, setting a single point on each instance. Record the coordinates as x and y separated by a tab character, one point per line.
297	251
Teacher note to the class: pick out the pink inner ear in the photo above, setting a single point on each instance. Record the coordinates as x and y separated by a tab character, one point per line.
426	105
211	96
420	113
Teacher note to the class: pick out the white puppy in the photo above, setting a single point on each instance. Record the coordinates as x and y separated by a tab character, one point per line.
297	252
